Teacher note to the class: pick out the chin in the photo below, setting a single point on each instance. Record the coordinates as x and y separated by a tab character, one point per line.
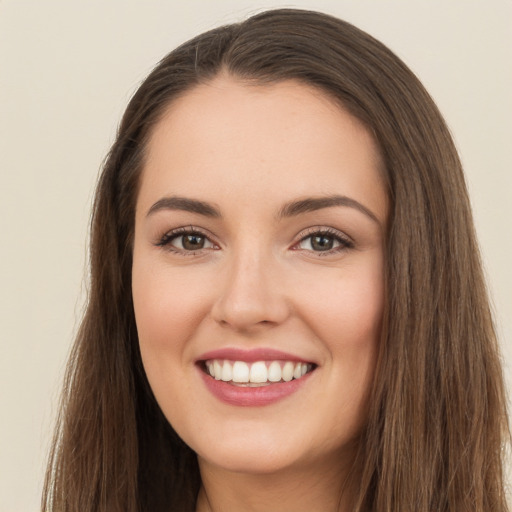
251	461
268	452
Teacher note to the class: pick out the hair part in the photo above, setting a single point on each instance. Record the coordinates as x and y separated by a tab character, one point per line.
437	417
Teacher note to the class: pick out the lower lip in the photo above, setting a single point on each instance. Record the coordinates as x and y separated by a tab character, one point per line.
249	396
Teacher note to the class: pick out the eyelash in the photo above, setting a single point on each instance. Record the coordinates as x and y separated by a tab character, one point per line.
344	241
165	241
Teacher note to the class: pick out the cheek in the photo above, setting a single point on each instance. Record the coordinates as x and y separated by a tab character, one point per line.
167	305
346	311
348	323
167	308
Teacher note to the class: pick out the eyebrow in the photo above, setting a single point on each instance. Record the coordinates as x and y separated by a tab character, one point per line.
185	204
312	204
290	209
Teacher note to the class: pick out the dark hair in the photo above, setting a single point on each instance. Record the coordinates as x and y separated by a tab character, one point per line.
437	419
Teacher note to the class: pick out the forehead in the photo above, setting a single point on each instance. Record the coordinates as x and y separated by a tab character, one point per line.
261	141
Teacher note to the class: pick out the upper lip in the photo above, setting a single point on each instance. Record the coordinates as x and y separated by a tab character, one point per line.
250	356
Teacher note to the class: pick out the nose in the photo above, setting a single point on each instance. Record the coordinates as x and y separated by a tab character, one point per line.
251	295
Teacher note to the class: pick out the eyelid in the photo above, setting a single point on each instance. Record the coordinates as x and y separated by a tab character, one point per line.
346	241
164	241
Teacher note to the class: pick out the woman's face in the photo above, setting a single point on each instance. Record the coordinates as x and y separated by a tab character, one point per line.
258	273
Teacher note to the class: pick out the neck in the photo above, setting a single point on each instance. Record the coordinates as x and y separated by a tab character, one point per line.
314	489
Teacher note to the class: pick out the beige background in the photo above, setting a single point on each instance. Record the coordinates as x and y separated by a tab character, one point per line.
67	69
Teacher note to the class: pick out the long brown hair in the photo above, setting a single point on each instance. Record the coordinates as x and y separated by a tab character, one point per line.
437	420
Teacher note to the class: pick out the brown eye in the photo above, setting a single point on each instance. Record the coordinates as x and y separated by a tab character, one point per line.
325	242
186	241
192	242
322	242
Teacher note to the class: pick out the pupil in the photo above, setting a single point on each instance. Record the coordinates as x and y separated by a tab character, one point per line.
322	243
193	242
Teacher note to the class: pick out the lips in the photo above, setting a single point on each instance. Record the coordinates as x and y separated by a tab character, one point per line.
253	378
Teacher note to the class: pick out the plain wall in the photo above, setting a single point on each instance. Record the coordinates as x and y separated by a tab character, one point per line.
67	69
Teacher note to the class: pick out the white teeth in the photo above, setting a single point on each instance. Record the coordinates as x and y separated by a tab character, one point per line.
259	372
217	370
227	372
287	371
274	372
240	372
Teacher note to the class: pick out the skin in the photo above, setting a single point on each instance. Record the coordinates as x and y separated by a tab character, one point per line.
258	282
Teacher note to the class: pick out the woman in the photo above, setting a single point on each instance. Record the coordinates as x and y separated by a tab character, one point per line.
287	309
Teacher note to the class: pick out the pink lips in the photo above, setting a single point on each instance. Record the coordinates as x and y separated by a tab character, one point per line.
250	396
249	356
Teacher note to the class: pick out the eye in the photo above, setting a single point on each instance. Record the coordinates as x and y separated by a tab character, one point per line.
324	241
191	242
186	241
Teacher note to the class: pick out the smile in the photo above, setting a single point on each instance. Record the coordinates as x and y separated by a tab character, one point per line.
257	373
253	378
